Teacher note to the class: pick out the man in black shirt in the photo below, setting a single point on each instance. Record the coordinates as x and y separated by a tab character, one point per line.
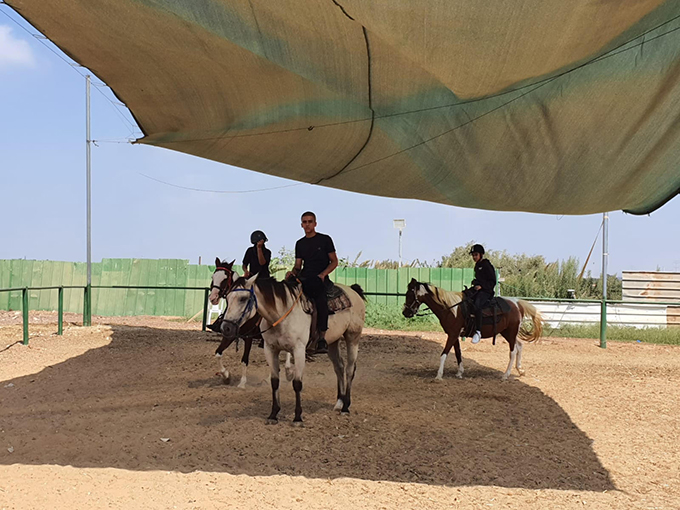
257	257
315	259
484	283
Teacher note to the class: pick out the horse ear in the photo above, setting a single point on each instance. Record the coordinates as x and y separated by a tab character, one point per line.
413	281
251	281
231	263
217	262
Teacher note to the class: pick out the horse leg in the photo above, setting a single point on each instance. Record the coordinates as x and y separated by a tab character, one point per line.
224	373
247	344
459	357
351	369
512	342
289	367
520	346
451	339
273	362
300	348
339	367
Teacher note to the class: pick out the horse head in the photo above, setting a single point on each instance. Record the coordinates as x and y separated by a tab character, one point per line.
414	292
222	280
241	306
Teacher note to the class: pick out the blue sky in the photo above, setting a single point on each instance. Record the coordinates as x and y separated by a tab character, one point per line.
42	191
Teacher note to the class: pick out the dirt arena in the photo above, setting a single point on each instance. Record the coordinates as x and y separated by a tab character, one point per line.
131	415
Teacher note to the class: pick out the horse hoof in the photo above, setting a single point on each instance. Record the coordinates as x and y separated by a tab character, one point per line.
272	421
298	424
459	376
225	378
242	386
338	406
344	413
437	380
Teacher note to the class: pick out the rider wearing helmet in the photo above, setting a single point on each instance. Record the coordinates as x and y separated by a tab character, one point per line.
484	283
257	257
255	261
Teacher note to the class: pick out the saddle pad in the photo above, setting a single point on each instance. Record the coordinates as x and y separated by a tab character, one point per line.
503	307
339	302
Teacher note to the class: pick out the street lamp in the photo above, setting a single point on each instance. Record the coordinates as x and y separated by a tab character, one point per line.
400	225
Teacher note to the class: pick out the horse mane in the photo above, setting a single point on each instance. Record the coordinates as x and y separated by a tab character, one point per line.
446	298
272	289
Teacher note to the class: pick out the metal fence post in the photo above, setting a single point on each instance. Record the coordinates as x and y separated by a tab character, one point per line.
60	312
205	309
87	306
24	309
603	324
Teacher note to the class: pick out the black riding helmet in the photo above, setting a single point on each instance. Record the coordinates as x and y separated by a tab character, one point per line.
477	248
258	236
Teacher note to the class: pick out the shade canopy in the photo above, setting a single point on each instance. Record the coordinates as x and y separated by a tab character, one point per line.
549	106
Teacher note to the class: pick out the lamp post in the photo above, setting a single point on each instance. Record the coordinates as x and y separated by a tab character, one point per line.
400	225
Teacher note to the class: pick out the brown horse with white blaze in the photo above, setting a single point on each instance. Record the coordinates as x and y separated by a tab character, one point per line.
447	306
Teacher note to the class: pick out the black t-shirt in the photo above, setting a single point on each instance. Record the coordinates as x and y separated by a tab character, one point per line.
485	275
314	254
251	261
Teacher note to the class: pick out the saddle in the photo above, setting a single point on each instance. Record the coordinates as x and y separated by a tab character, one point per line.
492	313
337	300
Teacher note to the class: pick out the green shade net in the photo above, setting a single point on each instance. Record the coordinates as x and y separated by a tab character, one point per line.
549	106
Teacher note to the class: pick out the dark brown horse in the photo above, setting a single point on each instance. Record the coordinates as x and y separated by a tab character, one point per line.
447	306
222	281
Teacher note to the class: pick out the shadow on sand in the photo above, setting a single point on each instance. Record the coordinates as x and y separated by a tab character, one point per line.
111	406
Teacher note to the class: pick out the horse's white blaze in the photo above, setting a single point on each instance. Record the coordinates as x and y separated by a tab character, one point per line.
217	280
442	360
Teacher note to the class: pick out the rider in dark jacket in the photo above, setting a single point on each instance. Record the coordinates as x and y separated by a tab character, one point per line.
484	283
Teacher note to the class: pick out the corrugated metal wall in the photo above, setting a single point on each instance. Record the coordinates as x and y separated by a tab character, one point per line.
174	272
651	286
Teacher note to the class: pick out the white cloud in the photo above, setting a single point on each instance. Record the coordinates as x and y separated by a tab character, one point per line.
13	51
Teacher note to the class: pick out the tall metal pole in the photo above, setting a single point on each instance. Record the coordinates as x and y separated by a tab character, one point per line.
399	247
605	260
87	318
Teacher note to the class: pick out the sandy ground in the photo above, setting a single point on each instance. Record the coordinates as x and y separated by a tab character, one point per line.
82	418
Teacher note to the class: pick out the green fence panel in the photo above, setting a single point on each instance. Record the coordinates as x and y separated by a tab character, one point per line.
132	294
106	296
5	274
392	286
179	273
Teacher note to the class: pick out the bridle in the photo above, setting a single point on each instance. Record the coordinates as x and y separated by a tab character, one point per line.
252	304
413	308
223	289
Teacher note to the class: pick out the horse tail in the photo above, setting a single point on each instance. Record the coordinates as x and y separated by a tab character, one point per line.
357	288
532	334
